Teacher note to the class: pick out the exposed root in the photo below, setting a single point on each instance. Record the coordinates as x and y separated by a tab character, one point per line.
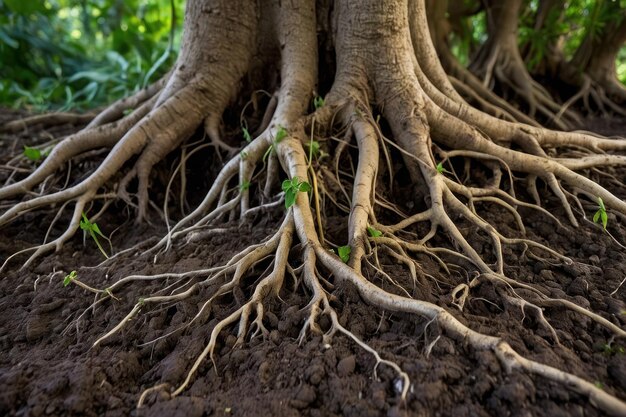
429	125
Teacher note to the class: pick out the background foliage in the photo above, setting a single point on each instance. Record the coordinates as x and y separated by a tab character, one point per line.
78	54
66	54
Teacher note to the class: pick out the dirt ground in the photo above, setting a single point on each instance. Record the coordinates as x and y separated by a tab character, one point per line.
48	367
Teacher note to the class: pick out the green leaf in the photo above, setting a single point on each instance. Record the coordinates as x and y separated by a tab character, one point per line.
318	102
290	198
281	134
96	229
25	7
601	204
604	218
314	147
441	169
69	278
33	154
246	134
286	185
344	253
373	232
304	187
244	186
596	216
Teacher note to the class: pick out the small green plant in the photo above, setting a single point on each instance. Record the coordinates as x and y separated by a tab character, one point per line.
607	349
33	154
69	278
344	253
94	231
601	216
441	169
373	232
292	187
244	186
243	154
281	134
314	148
318	102
598	384
246	134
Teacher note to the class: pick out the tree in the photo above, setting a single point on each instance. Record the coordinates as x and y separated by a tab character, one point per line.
591	70
384	60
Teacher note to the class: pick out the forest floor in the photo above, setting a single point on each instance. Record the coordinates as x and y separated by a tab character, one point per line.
48	367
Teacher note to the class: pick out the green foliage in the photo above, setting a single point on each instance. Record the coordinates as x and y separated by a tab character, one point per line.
246	134
600	216
66	54
318	102
69	278
292	187
611	350
344	253
373	232
244	186
440	169
94	231
33	154
281	134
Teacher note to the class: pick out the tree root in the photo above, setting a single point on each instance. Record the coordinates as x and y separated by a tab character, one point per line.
432	131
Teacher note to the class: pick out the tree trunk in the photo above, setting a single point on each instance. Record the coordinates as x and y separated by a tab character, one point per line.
500	65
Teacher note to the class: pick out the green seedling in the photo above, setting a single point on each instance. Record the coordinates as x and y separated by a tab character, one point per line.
441	169
94	232
246	134
344	253
243	154
598	384
314	148
281	134
601	216
33	154
244	186
607	349
69	278
373	232
292	187
318	102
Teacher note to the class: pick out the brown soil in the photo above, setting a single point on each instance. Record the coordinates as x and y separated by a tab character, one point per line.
47	365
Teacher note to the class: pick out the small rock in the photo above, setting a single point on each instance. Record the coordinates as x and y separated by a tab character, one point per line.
346	366
379	399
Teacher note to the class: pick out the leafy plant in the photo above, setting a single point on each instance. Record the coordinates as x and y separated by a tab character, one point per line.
281	134
33	154
94	231
292	187
373	232
318	102
69	278
607	349
344	253
601	216
441	169
244	186
246	134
